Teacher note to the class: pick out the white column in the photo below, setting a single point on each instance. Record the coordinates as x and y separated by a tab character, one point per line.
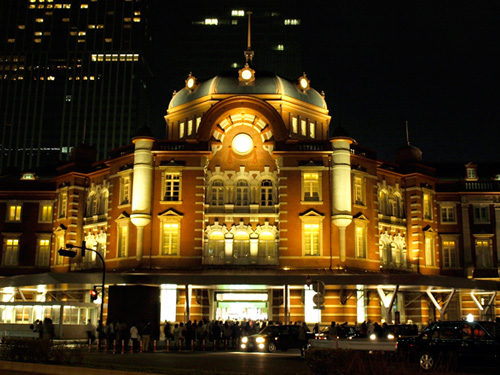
341	189
142	189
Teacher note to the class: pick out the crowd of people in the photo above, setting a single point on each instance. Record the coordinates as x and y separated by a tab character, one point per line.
44	328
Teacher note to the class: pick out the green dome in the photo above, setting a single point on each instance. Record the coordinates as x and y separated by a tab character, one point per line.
265	83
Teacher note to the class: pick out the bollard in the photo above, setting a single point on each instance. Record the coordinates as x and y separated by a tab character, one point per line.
140	346
154	346
168	346
179	344
123	346
215	345
192	345
225	344
105	346
203	345
114	346
90	344
132	347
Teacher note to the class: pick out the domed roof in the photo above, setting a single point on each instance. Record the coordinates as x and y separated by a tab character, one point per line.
265	83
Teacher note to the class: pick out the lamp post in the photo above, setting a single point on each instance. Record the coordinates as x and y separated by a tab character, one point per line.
71	254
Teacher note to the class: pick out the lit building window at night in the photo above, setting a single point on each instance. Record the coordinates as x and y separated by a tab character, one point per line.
170	239
172	187
238	13
311	234
211	21
449	251
292	22
311	187
11	251
14	212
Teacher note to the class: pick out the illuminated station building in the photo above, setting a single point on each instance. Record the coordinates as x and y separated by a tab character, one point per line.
255	206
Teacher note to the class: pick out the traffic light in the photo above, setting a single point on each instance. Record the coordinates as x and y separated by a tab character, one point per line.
93	294
66	253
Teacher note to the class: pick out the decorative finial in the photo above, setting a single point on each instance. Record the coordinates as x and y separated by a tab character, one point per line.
407	134
249	53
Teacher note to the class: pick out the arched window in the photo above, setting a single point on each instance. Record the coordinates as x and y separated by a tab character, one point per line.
103	203
241	245
216	245
217	193
266	193
242	193
383	203
92	204
266	245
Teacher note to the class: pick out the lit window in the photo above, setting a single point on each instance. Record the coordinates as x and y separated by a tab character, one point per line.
60	244
217	193
361	240
122	240
291	22
63	203
11	251
43	251
427	206
311	186
216	245
84	6
11	40
312	130
21	27
125	184
181	130
267	245
295	125
172	187
448	214
45	212
39	20
238	13
449	251
430	257
211	21
14	212
137	19
484	252
241	245
303	128
311	235
170	239
280	47
82	33
190	127
359	191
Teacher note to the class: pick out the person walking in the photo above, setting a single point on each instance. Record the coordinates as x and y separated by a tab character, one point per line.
147	330
134	336
303	338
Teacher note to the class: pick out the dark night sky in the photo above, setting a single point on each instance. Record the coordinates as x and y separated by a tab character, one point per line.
431	63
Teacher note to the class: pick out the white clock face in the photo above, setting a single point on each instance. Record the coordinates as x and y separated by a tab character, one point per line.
242	144
246	74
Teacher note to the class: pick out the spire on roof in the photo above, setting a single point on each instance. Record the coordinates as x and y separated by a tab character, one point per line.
249	53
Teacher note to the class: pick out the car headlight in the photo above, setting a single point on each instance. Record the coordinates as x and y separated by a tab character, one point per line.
260	340
244	340
373	336
390	336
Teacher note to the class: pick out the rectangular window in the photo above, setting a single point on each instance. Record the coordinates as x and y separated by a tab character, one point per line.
63	204
172	187
484	253
181	130
427	203
170	239
125	184
14	212
311	240
359	196
294	125
311	187
43	255
190	127
448	214
303	128
11	252
59	245
430	259
45	212
449	250
312	129
122	249
481	214
360	242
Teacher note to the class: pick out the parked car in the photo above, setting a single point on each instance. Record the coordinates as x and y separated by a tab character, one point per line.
274	337
459	342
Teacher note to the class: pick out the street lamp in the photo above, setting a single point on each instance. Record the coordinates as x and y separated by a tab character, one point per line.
71	254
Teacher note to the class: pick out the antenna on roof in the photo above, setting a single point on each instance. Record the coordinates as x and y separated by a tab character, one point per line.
249	53
407	134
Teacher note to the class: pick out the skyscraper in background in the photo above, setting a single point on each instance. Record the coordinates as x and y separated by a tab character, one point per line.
70	72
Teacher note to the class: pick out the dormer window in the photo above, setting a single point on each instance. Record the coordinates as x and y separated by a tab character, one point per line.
471	172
